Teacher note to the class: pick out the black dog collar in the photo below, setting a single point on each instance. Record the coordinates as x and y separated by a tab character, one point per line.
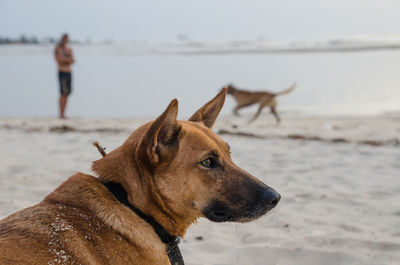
174	254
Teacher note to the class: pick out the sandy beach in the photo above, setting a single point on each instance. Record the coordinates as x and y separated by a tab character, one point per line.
338	177
112	66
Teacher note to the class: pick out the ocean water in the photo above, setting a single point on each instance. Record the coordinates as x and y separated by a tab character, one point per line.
112	82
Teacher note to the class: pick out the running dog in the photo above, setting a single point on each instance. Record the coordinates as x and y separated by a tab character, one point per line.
262	98
146	194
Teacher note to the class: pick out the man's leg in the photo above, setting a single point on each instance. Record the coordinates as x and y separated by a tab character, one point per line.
65	90
63	104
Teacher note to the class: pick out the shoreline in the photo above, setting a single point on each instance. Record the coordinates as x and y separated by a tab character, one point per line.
261	45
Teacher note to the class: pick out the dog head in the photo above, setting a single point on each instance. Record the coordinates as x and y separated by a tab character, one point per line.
183	170
230	89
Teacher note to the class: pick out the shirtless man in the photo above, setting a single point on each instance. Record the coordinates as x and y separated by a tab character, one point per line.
64	58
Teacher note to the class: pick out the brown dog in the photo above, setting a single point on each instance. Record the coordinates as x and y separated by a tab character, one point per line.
262	98
167	174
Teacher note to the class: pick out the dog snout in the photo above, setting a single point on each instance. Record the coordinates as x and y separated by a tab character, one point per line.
271	197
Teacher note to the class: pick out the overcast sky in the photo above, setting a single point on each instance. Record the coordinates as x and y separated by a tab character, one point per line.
222	20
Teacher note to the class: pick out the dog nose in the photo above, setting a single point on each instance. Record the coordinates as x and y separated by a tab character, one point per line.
271	197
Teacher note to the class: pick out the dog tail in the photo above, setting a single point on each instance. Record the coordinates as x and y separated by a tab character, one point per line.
286	91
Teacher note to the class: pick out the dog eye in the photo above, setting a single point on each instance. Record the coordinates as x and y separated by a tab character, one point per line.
209	163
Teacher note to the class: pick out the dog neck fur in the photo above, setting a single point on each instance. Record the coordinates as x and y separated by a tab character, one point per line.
133	164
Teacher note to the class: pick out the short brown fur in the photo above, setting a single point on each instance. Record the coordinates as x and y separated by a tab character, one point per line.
163	166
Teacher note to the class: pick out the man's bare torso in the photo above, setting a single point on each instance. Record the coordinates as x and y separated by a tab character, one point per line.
64	58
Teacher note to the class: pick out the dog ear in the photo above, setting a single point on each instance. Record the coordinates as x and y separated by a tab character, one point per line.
162	135
210	111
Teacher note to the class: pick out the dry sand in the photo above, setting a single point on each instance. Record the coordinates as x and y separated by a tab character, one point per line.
339	179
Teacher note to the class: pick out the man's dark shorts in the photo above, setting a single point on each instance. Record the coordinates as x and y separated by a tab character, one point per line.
65	83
